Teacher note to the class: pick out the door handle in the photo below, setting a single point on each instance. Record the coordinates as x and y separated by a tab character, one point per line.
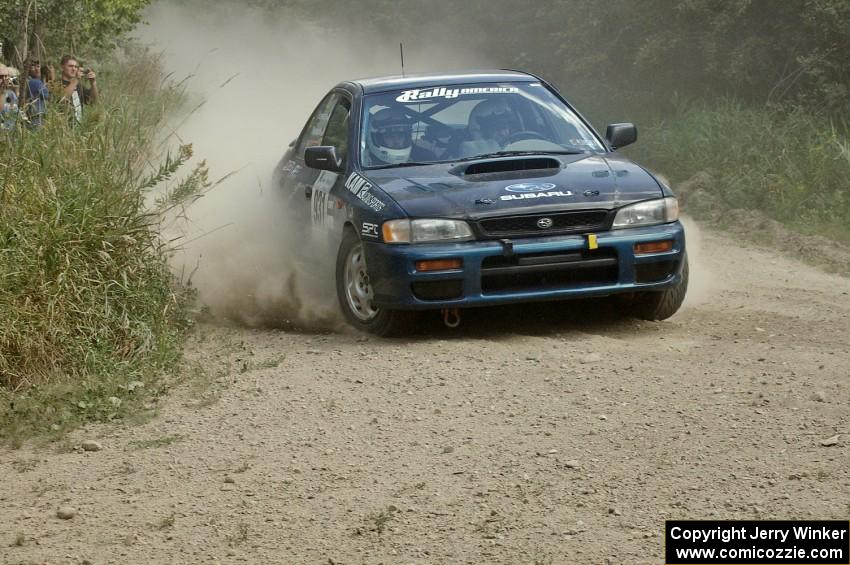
308	191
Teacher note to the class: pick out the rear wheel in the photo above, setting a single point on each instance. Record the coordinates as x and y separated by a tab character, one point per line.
354	292
660	305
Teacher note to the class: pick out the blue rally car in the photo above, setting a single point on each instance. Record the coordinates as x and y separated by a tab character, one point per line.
448	191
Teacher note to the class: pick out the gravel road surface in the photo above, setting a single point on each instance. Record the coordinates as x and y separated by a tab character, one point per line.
541	434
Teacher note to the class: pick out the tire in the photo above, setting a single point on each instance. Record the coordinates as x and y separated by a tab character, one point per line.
660	305
354	294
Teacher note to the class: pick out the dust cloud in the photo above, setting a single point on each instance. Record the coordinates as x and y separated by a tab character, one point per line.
700	282
253	79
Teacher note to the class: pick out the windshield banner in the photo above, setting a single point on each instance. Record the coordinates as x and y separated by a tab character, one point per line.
448	93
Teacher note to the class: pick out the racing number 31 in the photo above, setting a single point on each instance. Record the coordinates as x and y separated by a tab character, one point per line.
321	196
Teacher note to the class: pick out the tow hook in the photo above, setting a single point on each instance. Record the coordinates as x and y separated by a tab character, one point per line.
451	317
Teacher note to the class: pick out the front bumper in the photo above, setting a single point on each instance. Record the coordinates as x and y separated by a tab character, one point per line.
541	268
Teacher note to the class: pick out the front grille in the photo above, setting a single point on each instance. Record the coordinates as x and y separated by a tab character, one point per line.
544	271
580	221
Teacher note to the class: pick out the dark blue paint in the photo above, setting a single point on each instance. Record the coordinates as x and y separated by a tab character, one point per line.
392	268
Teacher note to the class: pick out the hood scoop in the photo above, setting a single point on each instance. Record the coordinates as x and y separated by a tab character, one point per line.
545	166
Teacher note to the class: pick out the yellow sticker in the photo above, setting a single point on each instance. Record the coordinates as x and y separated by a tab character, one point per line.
591	241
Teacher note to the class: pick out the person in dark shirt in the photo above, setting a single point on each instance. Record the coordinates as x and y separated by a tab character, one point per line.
37	94
73	91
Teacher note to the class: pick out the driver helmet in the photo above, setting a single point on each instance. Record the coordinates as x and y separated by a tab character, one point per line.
390	136
494	119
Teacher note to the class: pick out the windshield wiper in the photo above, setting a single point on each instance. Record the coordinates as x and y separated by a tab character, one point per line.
518	153
407	164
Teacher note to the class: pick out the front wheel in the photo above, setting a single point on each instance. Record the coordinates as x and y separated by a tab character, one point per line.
661	305
354	292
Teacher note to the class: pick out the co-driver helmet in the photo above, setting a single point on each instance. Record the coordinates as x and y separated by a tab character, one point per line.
492	116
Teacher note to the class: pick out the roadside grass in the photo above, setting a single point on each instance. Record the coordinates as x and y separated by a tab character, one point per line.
166	523
790	165
380	520
232	360
91	318
155	442
239	536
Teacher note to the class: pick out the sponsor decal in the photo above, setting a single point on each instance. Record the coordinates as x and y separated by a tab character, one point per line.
532	195
359	186
449	93
356	183
590	193
530	187
371	201
485	201
369	230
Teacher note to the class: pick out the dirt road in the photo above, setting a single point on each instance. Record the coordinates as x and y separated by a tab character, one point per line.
530	435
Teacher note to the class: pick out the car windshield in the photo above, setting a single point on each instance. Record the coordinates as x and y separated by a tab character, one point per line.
463	122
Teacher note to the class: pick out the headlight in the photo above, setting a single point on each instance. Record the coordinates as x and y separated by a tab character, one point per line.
649	213
425	231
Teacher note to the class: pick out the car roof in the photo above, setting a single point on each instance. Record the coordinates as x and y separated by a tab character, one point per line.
421	80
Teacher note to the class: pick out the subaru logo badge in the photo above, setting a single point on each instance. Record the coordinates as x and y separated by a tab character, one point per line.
530	187
545	223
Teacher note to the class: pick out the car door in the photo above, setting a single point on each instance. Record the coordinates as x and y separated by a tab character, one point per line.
297	179
326	214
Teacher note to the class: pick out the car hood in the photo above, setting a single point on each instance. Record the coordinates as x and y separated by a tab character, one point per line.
578	182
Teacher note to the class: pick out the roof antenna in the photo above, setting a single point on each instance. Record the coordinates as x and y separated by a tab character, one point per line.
401	51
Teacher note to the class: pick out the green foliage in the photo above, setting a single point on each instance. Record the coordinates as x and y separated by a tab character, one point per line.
646	51
51	27
791	166
91	315
626	52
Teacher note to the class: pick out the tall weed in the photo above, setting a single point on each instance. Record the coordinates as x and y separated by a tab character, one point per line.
90	315
790	165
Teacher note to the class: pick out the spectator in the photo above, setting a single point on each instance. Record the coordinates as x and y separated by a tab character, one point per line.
73	92
9	111
48	75
37	93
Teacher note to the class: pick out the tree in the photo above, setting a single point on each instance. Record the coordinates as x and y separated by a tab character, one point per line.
49	27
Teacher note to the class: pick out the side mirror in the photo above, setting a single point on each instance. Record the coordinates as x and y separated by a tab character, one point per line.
323	157
620	135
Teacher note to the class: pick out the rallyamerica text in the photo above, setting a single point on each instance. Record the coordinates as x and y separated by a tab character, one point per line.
761	533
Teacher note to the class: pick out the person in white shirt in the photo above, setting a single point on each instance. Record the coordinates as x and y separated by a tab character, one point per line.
73	91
